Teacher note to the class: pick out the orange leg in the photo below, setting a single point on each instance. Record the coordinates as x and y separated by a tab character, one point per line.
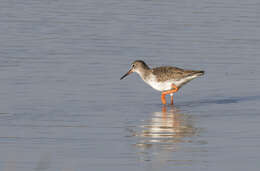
173	90
163	98
171	99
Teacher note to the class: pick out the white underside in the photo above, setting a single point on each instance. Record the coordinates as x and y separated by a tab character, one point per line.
167	85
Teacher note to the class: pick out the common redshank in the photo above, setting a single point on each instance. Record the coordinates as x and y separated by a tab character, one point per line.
166	79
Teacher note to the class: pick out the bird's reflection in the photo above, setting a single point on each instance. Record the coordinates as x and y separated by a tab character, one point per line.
167	128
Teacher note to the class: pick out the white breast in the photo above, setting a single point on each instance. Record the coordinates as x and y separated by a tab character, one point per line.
167	85
160	86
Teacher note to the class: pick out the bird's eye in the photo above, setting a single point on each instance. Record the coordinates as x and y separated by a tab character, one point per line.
133	66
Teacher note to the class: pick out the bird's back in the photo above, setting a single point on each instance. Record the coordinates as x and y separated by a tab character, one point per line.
168	73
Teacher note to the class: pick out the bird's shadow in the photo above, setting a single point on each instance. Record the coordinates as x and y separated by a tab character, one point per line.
225	100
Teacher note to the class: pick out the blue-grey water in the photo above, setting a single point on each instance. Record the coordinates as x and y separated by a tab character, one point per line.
63	107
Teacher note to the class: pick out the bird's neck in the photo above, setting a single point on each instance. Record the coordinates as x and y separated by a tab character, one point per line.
144	73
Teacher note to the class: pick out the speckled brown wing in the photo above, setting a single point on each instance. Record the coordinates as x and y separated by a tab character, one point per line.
172	73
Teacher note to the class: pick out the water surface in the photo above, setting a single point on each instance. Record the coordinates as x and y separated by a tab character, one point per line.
63	107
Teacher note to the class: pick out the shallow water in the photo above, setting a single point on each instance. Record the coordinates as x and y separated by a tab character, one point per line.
63	107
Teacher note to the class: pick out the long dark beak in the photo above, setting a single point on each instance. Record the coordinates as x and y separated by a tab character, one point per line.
129	72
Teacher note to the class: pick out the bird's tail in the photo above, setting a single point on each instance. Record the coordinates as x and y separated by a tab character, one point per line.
199	73
192	74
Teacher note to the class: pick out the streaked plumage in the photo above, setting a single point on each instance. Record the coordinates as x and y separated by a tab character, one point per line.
165	78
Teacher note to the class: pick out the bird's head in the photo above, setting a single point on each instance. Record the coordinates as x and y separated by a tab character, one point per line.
137	66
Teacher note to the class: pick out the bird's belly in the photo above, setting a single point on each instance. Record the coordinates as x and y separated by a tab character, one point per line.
160	86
